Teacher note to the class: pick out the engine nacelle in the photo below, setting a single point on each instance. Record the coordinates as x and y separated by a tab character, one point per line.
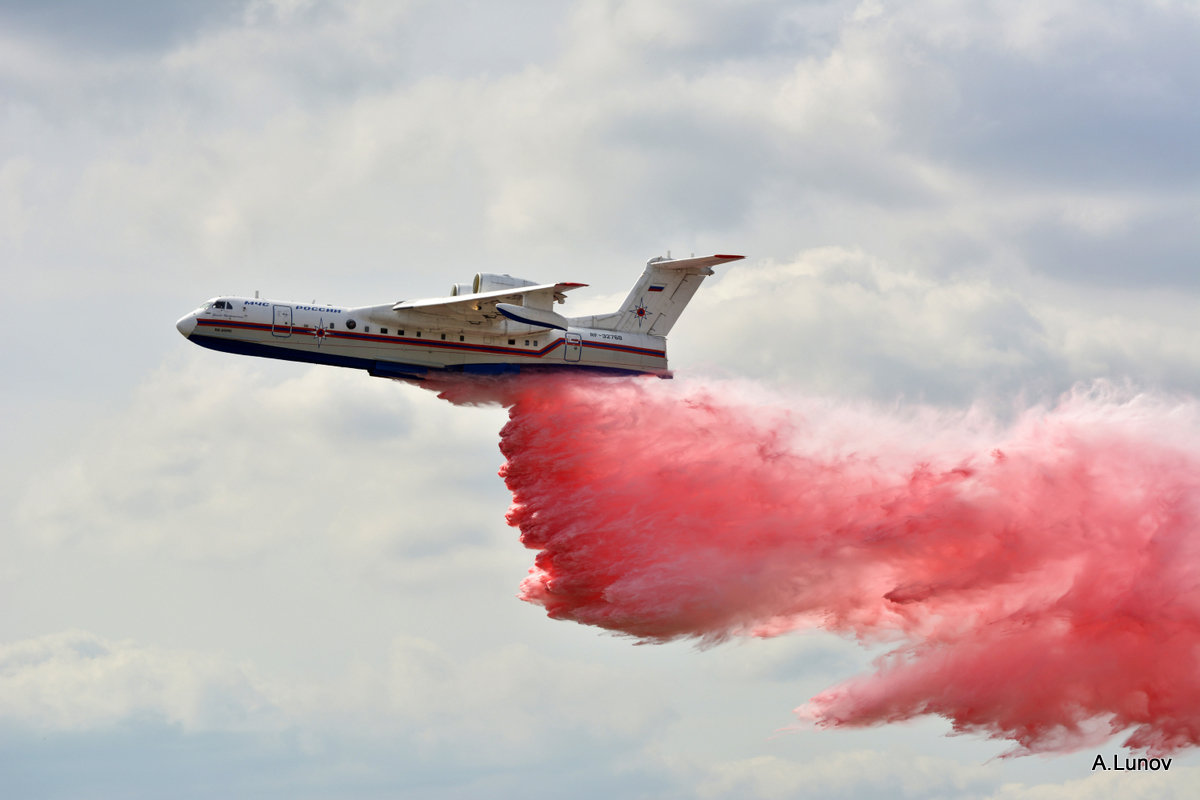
491	282
460	288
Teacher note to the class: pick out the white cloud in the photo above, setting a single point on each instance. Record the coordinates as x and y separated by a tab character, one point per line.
506	705
514	697
76	680
220	460
844	323
1178	782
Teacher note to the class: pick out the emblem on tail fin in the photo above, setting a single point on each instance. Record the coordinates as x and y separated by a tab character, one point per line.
640	311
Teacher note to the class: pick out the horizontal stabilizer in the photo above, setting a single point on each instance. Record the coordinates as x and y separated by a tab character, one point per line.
699	262
533	316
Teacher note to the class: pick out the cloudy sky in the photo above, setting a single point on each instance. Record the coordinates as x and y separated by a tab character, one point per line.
222	577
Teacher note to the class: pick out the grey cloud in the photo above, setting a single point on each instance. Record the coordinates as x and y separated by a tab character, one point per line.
139	761
117	26
852	774
1158	249
572	152
429	723
1123	118
144	761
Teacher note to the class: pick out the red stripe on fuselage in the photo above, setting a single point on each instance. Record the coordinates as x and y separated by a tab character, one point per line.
428	343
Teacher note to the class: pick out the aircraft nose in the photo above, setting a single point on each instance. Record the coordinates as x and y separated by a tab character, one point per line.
186	325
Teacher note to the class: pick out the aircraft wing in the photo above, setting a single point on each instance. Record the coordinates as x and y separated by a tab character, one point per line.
482	305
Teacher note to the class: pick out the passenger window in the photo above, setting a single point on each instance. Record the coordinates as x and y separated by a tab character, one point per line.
512	341
350	324
400	332
443	337
383	330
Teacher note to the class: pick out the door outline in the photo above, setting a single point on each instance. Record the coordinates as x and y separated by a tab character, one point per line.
574	347
281	321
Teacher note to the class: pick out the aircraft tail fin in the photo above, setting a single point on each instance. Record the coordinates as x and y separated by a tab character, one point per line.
660	295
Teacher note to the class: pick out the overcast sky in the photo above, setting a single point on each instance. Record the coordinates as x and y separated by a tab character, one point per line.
226	577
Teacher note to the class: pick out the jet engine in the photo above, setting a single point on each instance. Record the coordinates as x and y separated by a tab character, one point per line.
460	288
491	282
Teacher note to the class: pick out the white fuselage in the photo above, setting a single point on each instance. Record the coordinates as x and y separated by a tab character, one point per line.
410	343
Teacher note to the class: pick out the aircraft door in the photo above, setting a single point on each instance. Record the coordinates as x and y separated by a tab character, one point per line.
281	321
574	347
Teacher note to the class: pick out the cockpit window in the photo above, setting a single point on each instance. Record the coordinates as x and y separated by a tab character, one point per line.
221	304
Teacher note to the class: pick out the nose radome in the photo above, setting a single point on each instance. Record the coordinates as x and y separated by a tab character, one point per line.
186	325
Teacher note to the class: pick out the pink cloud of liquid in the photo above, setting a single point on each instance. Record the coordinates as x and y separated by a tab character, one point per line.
1041	578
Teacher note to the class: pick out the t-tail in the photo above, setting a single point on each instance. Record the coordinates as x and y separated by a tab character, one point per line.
659	297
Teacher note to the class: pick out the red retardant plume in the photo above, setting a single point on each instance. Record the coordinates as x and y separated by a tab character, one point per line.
1042	577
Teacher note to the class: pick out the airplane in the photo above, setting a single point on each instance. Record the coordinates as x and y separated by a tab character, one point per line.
495	325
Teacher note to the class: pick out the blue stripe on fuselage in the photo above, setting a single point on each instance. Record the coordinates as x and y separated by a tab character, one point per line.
389	369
